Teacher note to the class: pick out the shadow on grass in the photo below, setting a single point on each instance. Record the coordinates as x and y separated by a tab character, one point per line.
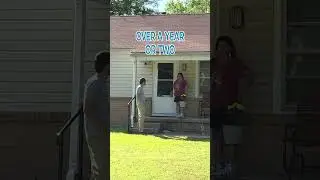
118	130
181	137
165	136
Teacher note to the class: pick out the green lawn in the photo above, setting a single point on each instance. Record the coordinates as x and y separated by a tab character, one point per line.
139	157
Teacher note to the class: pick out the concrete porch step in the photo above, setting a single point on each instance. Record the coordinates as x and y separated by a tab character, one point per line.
149	127
175	119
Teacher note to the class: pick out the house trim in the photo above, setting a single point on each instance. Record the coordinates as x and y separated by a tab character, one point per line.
177	57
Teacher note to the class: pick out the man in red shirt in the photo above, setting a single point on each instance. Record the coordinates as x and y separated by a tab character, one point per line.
227	71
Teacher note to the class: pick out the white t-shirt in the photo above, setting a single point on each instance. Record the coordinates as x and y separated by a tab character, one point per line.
96	89
140	95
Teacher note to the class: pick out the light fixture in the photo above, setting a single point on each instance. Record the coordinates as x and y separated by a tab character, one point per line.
237	17
184	67
147	63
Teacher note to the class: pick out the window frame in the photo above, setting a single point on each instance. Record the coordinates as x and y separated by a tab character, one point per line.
199	78
281	52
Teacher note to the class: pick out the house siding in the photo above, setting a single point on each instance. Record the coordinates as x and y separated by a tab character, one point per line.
36	41
145	71
121	73
35	81
255	46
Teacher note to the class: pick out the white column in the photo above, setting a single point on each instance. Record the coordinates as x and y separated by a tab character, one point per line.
277	49
216	22
79	49
134	79
218	18
197	83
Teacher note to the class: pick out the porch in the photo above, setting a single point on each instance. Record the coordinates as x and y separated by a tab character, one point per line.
160	73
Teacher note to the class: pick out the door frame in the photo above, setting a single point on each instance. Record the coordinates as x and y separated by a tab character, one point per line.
155	80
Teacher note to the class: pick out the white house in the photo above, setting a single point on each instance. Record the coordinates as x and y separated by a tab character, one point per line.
129	63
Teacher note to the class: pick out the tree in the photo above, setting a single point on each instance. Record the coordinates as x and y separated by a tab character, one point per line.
133	7
188	6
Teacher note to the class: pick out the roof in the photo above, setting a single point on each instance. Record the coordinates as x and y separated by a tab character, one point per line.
195	26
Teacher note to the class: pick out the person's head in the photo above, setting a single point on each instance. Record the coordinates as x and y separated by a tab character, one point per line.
180	76
225	48
102	63
142	81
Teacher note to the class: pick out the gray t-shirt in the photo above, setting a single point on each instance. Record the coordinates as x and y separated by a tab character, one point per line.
96	90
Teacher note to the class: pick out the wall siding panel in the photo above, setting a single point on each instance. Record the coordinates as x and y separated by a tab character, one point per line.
121	73
36	43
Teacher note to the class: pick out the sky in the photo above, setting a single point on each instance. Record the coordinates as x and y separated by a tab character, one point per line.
161	7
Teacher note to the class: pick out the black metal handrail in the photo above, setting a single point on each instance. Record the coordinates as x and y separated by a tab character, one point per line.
129	112
60	144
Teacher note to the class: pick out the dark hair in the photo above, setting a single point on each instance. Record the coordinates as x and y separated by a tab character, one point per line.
142	80
230	42
101	61
181	75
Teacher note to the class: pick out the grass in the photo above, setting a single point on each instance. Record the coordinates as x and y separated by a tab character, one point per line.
140	157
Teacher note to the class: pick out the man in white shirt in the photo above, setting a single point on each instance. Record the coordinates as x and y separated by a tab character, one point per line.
140	101
96	114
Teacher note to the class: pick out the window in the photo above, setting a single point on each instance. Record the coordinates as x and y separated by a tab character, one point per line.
302	56
204	78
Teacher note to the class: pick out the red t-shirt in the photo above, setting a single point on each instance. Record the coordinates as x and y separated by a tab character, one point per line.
179	87
225	91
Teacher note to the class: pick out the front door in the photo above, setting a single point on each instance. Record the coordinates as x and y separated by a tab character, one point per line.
164	76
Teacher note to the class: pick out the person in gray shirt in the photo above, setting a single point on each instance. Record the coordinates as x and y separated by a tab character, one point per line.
140	101
96	116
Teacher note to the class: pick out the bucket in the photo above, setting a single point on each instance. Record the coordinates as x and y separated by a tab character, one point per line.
232	134
182	104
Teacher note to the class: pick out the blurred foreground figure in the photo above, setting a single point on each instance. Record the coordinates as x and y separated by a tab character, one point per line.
227	72
96	114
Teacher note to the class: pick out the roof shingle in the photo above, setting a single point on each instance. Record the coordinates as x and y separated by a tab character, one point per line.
196	28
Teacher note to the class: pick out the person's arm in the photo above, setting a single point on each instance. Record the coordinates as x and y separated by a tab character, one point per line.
91	102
